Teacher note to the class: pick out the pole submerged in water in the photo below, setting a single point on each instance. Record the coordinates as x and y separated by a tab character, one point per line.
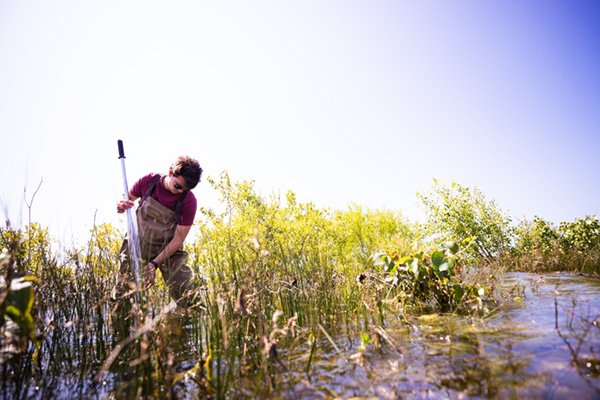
132	232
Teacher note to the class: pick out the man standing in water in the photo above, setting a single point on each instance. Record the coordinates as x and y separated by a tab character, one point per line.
165	216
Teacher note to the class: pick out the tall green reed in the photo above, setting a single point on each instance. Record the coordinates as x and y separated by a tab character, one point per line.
274	276
278	257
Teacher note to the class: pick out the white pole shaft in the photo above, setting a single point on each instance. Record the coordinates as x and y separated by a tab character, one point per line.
133	241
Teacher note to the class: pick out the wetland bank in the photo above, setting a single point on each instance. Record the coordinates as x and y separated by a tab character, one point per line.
294	301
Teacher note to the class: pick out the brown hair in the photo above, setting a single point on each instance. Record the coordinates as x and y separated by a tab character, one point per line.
189	168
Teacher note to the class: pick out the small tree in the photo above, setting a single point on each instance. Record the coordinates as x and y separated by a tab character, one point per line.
537	235
458	213
582	235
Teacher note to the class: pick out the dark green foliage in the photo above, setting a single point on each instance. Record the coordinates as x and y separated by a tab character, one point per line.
431	281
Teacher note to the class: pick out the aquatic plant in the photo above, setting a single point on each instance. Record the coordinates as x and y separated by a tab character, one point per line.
278	282
431	281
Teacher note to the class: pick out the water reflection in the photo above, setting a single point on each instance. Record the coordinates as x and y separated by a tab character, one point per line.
544	346
544	343
159	359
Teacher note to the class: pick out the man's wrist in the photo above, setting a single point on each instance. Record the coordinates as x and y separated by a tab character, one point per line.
154	263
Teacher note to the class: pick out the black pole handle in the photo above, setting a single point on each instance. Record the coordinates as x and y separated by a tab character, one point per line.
121	150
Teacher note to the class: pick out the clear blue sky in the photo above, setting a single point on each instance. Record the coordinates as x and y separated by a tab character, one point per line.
340	101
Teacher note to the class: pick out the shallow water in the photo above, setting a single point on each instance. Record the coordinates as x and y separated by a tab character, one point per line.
543	343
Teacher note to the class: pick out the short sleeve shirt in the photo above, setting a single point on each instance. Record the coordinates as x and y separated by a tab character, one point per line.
166	198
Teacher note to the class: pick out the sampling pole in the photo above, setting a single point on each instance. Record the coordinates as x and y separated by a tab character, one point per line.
132	232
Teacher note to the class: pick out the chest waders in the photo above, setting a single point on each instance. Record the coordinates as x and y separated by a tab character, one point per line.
157	225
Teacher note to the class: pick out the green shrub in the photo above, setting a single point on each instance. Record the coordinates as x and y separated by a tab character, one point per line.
457	212
431	281
581	235
572	246
538	235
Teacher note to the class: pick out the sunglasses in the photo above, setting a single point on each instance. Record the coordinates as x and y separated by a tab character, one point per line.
177	185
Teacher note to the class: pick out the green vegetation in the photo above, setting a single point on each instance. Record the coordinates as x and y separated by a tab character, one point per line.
272	275
457	212
572	246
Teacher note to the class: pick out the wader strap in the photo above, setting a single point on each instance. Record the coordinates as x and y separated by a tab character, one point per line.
150	189
179	205
179	201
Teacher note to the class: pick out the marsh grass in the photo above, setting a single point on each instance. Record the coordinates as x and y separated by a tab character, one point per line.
558	259
274	278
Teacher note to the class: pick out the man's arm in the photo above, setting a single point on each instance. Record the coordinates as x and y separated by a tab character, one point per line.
181	233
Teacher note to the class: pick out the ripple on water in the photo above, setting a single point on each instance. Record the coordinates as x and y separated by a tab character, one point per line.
538	347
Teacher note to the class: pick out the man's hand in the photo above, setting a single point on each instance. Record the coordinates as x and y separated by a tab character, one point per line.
123	205
149	275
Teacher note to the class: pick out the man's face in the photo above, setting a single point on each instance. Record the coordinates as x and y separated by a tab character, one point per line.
176	183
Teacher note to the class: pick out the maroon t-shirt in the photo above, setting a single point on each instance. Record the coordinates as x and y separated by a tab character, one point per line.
166	198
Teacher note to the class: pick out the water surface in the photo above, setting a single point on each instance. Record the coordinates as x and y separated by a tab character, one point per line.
544	343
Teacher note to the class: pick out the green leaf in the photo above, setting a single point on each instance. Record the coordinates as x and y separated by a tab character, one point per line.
30	278
14	313
458	293
444	267
437	258
389	264
450	263
21	295
453	247
405	259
